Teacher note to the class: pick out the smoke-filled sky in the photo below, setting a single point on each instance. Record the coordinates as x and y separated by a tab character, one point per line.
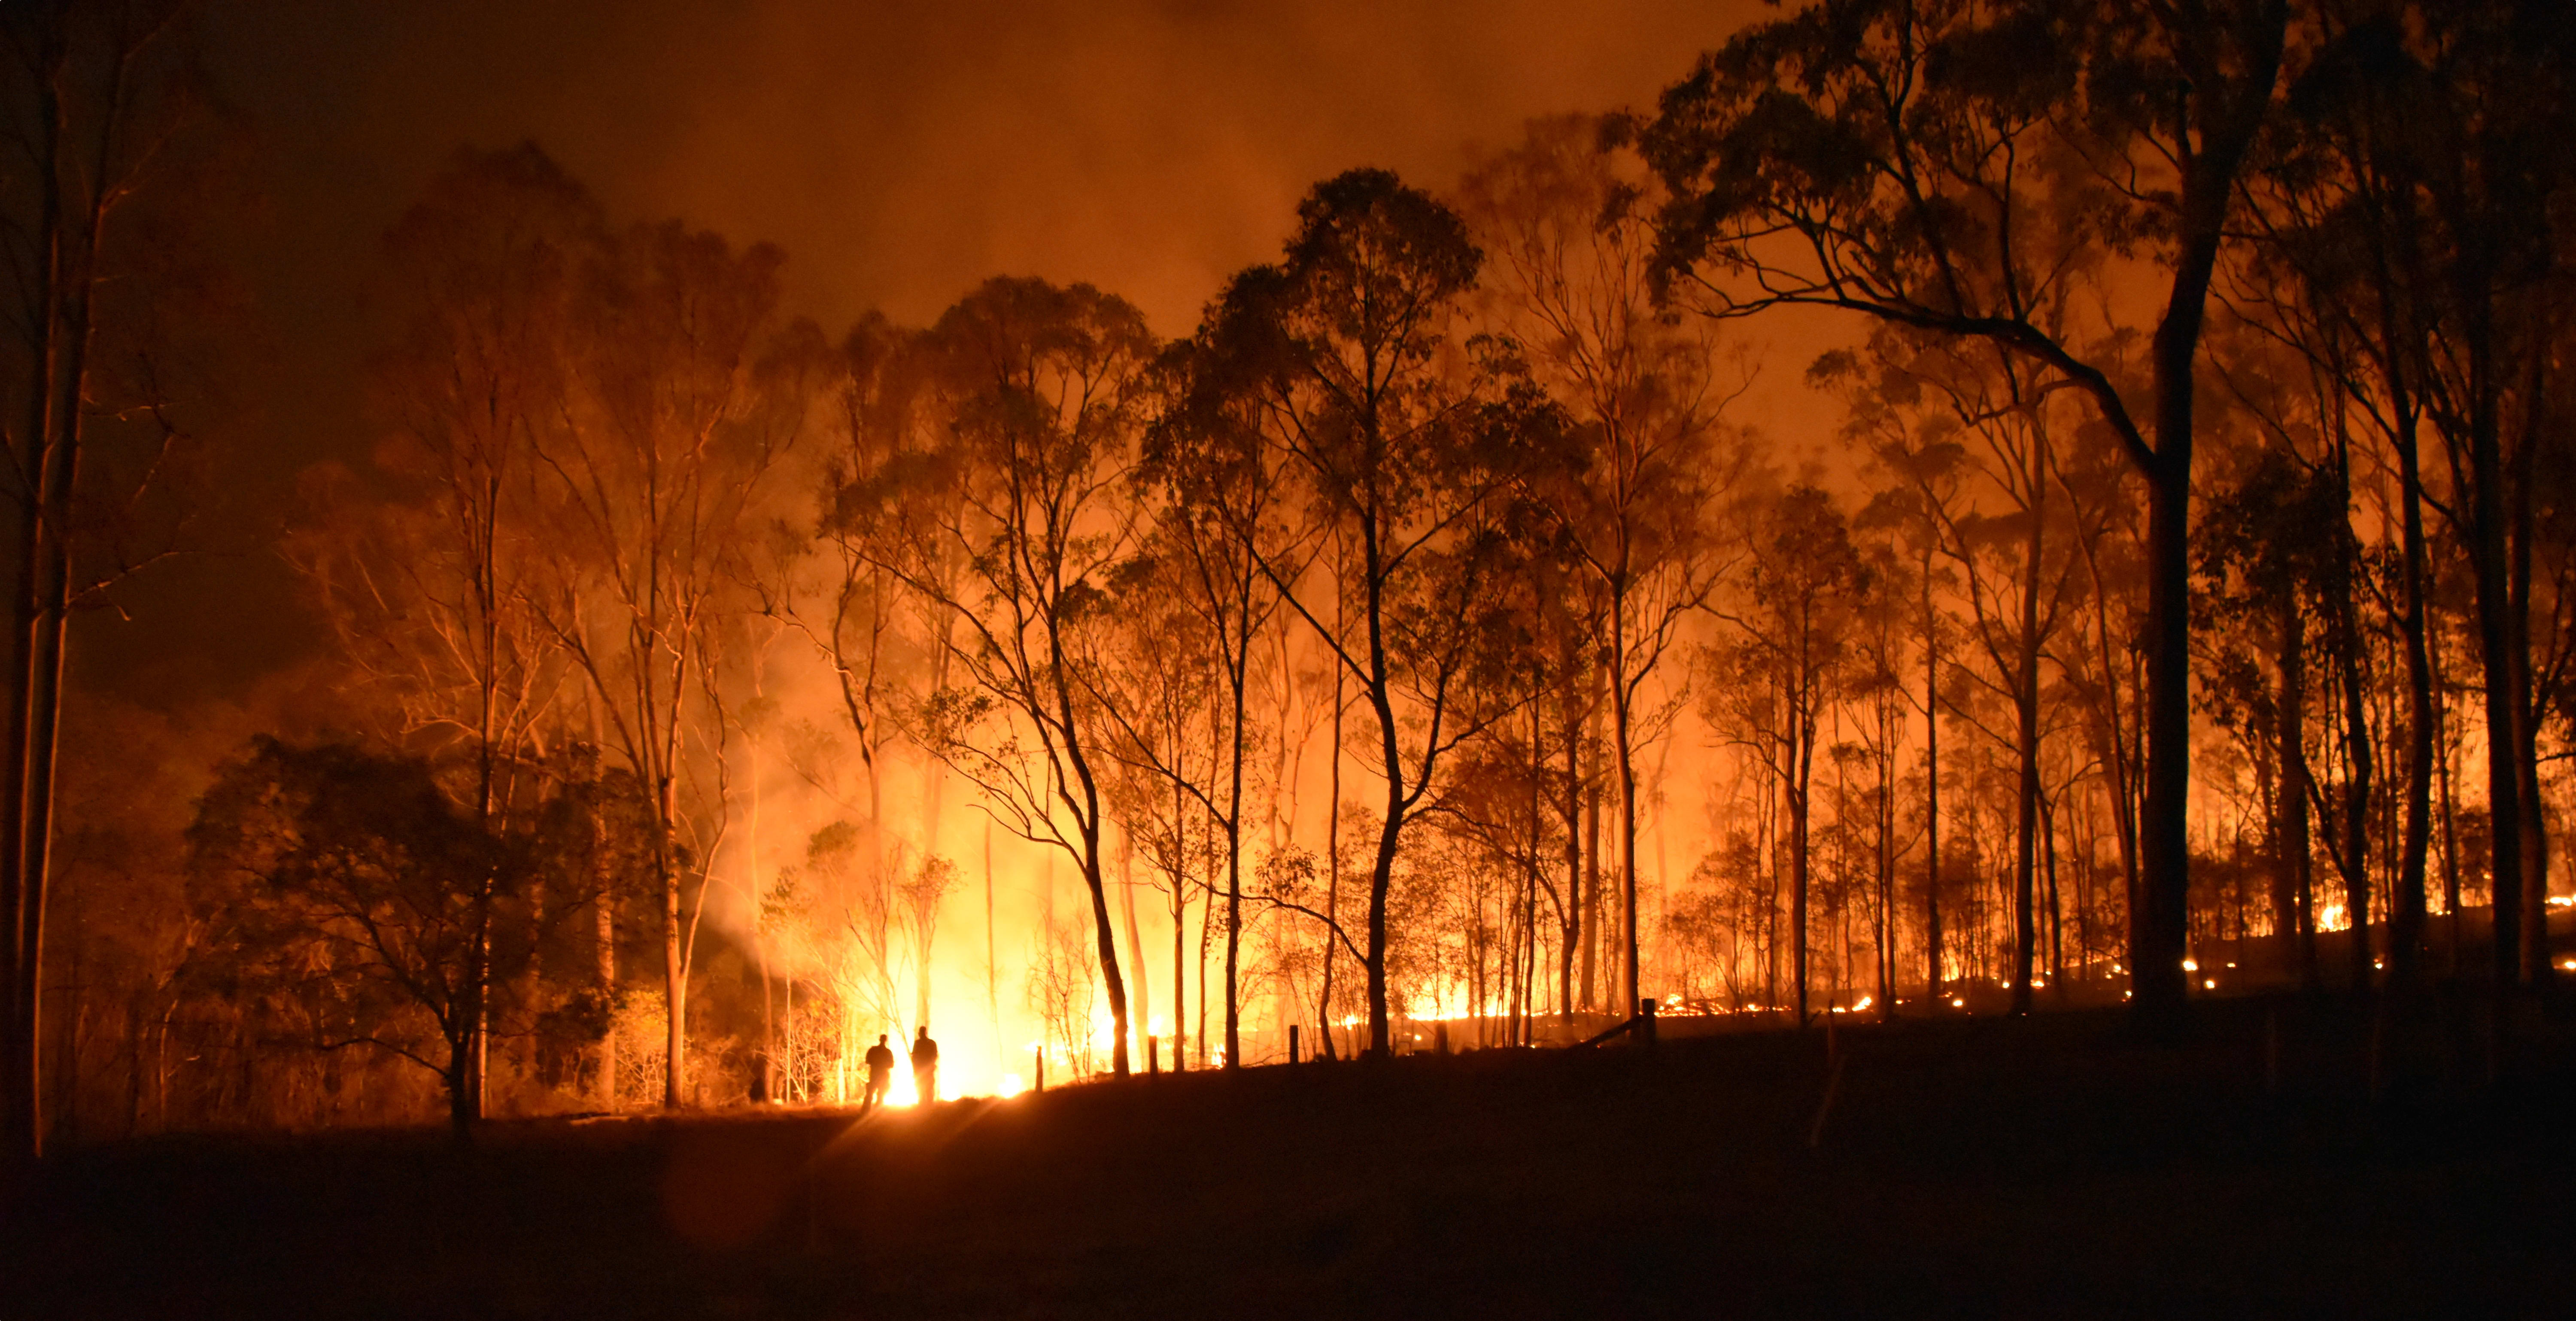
899	152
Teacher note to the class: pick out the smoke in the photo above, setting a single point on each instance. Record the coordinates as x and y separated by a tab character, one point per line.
900	154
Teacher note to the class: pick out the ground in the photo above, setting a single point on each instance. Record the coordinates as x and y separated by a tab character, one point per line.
2060	1165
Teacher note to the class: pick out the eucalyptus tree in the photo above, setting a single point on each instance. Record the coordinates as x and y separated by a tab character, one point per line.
2413	205
1011	527
2276	551
1922	465
1220	492
361	886
1566	220
1801	604
1399	447
427	593
1981	411
1162	683
1895	158
97	245
686	392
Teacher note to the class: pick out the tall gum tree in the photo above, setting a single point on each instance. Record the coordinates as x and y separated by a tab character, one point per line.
1041	392
1564	218
1219	492
2417	207
1888	157
426	596
1802	593
94	100
1345	353
650	490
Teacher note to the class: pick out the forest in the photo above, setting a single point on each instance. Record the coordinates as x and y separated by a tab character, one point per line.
1954	507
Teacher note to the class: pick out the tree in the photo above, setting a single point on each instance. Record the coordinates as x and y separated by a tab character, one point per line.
1344	353
357	884
1893	157
2414	205
2275	556
2016	594
684	392
94	232
1220	489
1041	389
1803	591
426	593
1566	221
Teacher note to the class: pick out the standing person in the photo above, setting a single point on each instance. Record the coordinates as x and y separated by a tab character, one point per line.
925	1067
880	1074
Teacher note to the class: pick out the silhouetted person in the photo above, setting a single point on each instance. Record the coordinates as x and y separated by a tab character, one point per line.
925	1067
880	1074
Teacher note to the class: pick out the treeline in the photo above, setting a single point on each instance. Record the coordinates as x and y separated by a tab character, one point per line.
2108	609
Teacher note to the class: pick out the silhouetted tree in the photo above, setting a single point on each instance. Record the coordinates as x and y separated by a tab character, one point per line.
1802	593
1567	222
1898	158
1345	350
1043	389
95	100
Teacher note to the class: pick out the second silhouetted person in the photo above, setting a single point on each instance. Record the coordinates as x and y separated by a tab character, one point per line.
925	1067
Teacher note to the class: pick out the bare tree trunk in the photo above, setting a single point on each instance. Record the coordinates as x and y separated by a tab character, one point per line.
1234	852
1931	792
2489	560
1570	929
1332	873
1592	899
1127	907
992	964
2531	839
2299	923
1801	746
2356	806
2406	906
2026	754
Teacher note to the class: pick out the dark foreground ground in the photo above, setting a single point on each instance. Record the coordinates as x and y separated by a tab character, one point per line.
2055	1166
